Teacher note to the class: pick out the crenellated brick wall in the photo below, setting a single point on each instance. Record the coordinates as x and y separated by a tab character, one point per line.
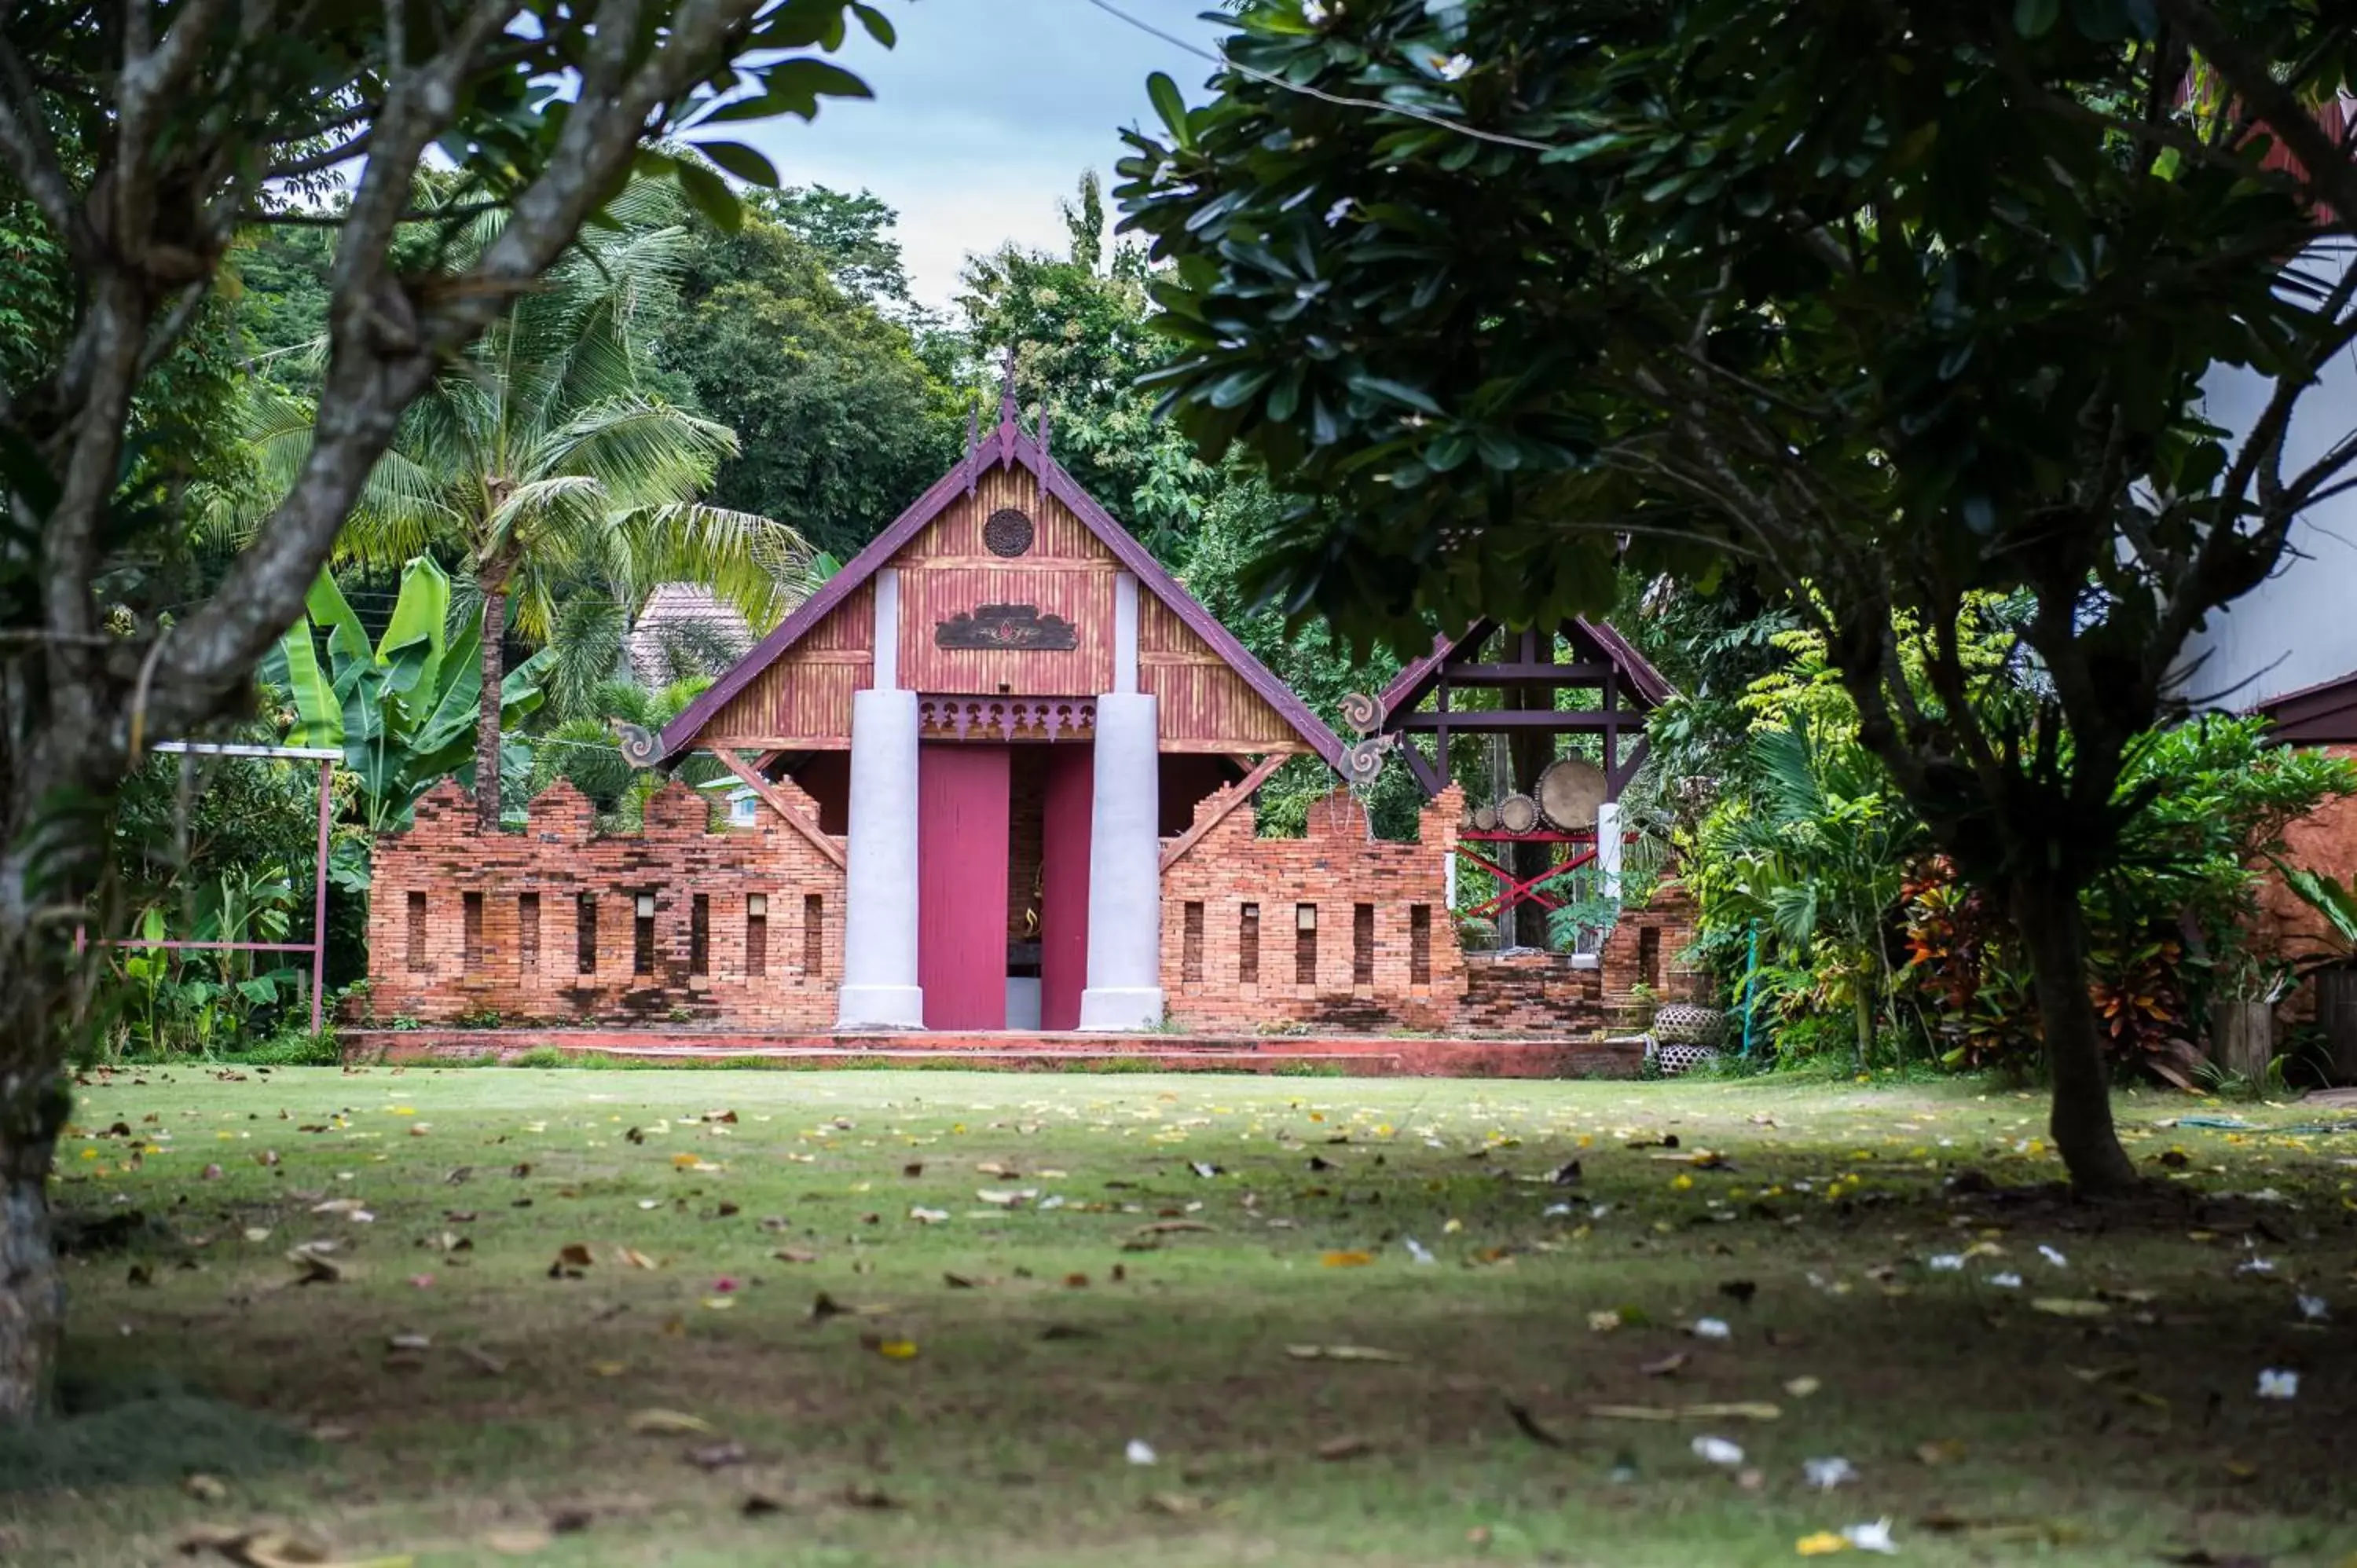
1237	954
466	923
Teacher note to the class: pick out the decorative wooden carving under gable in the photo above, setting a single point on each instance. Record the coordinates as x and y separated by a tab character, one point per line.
1006	625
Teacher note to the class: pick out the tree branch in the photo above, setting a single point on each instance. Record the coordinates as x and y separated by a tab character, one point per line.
2331	174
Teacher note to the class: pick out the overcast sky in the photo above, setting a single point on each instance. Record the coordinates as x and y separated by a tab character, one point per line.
984	116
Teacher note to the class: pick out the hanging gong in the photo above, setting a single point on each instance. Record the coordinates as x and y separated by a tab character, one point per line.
1570	791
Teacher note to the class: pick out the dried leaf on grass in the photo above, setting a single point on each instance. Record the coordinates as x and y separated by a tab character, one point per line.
863	1495
1350	1259
667	1423
518	1540
794	1255
1528	1425
1742	1410
716	1455
275	1549
1345	1448
2070	1306
1342	1353
312	1267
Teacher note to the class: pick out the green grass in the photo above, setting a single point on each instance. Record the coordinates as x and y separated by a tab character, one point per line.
2082	1440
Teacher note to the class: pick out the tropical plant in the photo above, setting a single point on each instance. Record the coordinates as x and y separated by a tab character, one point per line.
544	462
404	712
1898	309
2335	902
1814	858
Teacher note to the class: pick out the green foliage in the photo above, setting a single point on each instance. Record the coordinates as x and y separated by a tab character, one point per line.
847	234
841	418
2332	899
403	712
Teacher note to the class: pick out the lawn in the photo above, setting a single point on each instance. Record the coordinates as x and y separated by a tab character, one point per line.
922	1317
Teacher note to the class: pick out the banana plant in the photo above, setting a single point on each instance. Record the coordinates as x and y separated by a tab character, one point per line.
403	712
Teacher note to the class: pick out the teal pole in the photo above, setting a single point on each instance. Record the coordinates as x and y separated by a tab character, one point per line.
1750	972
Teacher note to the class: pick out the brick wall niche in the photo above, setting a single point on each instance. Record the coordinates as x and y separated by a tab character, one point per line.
741	927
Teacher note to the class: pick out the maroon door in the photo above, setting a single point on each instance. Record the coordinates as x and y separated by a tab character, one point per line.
1065	885
961	885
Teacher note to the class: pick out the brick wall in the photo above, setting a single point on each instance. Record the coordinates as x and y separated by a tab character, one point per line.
463	922
2323	841
1330	872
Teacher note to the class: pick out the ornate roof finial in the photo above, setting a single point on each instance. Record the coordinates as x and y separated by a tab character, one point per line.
1006	390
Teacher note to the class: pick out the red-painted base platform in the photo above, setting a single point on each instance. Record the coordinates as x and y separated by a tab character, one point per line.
1362	1055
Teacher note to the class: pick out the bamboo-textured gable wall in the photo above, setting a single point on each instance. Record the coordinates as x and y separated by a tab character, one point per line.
802	702
1206	706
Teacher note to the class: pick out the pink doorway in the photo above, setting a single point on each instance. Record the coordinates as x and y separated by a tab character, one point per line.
961	824
1065	885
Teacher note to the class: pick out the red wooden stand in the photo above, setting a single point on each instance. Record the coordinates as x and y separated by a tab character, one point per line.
1518	890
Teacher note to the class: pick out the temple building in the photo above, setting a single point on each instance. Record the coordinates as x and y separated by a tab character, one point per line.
1005	765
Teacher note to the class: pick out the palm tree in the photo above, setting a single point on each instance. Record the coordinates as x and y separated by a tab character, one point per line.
543	462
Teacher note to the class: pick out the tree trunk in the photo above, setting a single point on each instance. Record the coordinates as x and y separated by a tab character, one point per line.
494	581
2054	934
32	1295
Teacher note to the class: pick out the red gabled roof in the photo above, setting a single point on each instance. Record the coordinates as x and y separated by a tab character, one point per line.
1008	444
1412	684
2322	714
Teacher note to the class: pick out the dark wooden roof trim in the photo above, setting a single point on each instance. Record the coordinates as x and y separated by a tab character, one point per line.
1413	684
1010	447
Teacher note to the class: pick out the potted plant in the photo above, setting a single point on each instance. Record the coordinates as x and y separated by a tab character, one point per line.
2335	969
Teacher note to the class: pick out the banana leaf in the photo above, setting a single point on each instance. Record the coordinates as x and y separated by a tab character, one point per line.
319	711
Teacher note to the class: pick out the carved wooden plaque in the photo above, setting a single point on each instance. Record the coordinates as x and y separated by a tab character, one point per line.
1006	625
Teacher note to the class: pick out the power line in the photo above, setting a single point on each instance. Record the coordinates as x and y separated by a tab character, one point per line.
1344	100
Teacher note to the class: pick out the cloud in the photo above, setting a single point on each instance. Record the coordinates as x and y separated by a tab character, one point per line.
984	117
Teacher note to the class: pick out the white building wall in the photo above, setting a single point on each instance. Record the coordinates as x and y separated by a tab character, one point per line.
2299	628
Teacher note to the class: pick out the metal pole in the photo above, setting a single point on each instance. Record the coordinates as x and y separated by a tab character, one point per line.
320	895
1751	979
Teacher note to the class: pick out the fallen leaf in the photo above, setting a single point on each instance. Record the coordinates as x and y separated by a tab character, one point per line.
482	1360
1350	1259
893	1350
716	1455
1823	1543
861	1494
2070	1306
666	1422
313	1268
1740	1409
1345	1448
575	1255
1946	1451
794	1255
1802	1388
408	1342
1666	1367
205	1489
1529	1426
1342	1353
1178	1505
518	1541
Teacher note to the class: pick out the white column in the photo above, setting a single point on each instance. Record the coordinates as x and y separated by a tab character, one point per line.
1125	988
879	918
1607	846
1125	632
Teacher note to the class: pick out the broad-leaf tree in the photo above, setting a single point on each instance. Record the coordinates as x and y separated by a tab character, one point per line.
1898	303
142	139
